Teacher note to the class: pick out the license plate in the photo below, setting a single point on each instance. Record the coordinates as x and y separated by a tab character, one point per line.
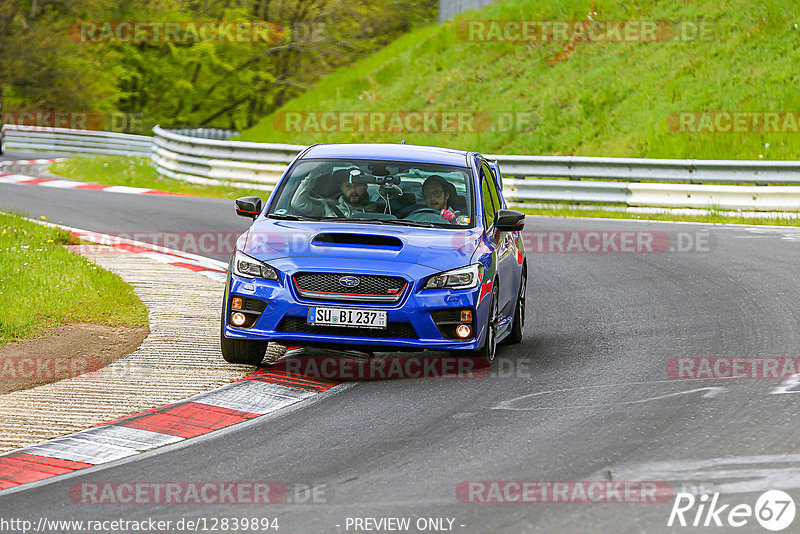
348	317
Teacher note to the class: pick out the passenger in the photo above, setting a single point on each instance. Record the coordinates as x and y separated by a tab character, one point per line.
354	198
437	191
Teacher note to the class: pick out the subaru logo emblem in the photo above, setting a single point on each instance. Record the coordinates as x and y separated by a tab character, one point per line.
349	281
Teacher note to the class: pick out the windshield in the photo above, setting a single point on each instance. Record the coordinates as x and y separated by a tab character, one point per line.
416	194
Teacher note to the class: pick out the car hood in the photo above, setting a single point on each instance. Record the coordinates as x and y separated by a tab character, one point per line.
438	248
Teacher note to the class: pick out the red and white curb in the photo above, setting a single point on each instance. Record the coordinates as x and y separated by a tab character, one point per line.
73	184
30	161
214	269
261	393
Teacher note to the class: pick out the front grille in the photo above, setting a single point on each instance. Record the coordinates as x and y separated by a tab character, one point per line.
392	330
370	288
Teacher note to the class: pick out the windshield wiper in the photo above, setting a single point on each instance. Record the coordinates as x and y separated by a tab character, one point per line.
399	222
290	217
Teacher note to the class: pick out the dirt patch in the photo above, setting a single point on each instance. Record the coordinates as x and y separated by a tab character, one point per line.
65	351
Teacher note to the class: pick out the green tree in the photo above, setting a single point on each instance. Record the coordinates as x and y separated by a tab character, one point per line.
224	84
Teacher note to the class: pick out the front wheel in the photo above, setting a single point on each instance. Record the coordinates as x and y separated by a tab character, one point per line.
245	351
489	348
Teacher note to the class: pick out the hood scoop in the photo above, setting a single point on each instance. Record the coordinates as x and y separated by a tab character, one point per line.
384	242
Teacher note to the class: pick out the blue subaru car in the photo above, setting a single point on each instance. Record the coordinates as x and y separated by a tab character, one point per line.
378	248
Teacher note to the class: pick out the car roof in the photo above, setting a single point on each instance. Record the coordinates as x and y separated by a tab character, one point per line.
389	152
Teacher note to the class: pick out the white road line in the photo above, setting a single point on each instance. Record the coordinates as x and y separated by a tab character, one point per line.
736	474
788	386
710	393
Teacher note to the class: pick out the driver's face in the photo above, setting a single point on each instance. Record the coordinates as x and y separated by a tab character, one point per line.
435	198
354	193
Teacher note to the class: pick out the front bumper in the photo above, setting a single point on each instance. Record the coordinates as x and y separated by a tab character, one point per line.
414	308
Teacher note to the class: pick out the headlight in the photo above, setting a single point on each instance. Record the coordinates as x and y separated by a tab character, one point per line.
244	265
463	278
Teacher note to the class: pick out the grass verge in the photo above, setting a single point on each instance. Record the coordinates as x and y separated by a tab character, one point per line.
138	172
43	285
572	97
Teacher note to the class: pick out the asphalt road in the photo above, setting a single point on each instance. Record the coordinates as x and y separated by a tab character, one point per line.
586	397
178	222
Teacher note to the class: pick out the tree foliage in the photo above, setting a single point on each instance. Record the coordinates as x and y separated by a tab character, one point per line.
45	64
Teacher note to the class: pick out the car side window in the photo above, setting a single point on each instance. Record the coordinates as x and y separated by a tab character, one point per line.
499	183
489	203
489	194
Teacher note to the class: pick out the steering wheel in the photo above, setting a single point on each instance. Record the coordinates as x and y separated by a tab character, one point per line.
424	210
426	214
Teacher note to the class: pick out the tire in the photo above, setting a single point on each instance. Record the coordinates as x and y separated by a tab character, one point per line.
243	351
489	348
515	335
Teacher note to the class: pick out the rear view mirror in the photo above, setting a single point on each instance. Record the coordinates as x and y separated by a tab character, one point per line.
248	207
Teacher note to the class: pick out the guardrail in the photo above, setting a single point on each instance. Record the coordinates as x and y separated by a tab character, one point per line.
655	170
528	179
205	133
702	184
633	182
214	162
64	140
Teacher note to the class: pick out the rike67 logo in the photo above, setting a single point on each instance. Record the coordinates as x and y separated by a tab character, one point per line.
774	510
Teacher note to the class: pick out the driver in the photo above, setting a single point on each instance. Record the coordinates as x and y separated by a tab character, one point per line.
436	191
354	198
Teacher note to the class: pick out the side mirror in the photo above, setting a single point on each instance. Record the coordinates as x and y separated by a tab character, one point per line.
509	221
248	207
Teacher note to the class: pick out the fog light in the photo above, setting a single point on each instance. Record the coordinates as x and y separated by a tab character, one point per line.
466	315
236	303
238	319
463	331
